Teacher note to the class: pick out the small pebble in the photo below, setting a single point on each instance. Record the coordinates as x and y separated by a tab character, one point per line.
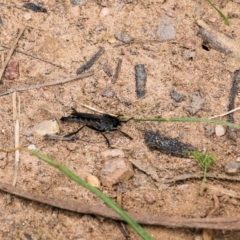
31	147
108	93
178	97
190	44
104	12
27	16
208	131
93	180
113	153
116	170
150	197
123	37
232	168
220	130
12	70
47	127
188	54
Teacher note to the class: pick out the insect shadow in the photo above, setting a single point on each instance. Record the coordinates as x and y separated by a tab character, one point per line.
99	122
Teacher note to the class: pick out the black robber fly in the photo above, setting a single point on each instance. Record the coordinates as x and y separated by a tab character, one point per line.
99	122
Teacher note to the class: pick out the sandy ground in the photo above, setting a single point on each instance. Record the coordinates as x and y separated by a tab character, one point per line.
70	35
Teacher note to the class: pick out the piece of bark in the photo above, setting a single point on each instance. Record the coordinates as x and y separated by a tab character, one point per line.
232	96
35	8
217	40
141	79
118	68
167	145
89	63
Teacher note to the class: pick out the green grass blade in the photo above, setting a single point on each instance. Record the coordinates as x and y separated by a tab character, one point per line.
182	119
94	190
226	20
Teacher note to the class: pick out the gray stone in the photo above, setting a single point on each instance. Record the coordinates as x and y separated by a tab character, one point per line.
197	102
232	168
166	30
178	97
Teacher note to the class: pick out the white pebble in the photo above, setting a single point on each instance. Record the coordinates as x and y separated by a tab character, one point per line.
93	180
220	130
27	16
31	147
47	127
104	12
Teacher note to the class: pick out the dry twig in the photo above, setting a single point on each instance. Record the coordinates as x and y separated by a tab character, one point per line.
41	85
36	57
226	113
228	223
96	110
199	176
16	115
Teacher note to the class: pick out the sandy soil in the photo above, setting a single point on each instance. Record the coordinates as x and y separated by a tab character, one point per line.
70	35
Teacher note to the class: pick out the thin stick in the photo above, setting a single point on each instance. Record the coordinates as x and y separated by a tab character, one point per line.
183	119
10	53
228	223
183	177
30	55
52	83
16	113
226	113
96	110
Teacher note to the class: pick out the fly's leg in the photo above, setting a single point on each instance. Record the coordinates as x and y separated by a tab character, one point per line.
126	135
107	141
97	130
73	133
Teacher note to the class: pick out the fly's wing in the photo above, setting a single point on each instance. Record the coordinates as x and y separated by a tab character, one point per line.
102	123
86	118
